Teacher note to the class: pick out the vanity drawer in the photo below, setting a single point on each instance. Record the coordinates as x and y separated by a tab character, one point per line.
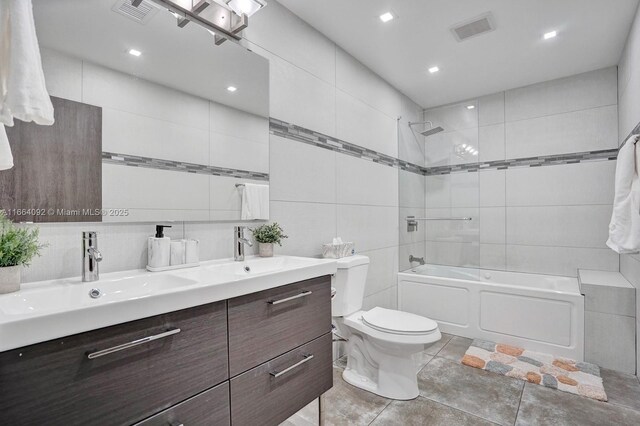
274	391
269	323
57	383
207	409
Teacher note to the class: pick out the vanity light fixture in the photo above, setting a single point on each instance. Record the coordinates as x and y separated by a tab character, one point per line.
471	106
550	34
134	52
232	89
247	7
434	70
225	19
386	17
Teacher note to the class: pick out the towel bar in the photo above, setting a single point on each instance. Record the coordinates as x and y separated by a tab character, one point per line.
412	218
412	221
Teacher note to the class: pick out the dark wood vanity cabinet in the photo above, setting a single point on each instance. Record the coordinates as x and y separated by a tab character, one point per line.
255	359
269	323
56	383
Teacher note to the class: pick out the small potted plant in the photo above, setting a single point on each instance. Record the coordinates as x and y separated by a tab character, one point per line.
267	235
17	247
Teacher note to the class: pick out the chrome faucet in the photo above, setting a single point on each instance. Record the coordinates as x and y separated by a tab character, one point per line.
420	260
239	241
90	257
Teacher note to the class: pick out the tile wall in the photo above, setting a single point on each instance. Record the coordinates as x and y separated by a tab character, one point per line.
317	193
629	117
549	219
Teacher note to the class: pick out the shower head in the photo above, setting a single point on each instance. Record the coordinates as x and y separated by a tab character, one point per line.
432	131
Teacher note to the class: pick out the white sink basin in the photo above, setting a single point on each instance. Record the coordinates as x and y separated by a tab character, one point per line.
69	294
48	310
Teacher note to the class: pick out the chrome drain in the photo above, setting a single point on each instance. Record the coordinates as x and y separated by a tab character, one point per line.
95	293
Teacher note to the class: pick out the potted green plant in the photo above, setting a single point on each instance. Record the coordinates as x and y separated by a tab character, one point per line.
17	247
267	235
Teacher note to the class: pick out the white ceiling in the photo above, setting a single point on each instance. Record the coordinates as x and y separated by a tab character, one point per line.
185	59
591	35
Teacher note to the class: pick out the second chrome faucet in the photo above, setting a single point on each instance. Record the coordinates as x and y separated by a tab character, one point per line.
239	240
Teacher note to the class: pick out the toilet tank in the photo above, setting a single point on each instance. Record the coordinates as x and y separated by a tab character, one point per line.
349	282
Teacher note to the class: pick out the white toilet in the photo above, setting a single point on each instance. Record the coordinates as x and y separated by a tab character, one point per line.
384	345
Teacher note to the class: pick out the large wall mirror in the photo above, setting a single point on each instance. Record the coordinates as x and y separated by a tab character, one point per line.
153	122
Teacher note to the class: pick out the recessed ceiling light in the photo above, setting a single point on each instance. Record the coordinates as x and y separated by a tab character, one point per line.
471	106
386	17
434	69
134	52
232	89
550	34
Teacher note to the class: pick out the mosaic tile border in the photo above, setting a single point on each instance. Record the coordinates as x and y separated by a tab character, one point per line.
179	166
301	134
546	160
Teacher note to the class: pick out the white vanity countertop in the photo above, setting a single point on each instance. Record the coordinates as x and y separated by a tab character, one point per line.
48	310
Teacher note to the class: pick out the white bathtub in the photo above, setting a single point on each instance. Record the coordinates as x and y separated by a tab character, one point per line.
542	313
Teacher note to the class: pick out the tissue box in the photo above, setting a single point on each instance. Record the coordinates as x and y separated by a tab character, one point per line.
336	251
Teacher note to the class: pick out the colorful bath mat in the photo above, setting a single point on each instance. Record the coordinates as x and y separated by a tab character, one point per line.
580	378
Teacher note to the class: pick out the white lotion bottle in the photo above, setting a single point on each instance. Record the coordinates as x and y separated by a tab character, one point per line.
159	248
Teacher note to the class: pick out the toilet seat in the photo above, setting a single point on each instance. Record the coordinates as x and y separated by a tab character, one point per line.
398	322
356	322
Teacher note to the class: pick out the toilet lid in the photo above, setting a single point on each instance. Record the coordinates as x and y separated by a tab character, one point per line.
398	322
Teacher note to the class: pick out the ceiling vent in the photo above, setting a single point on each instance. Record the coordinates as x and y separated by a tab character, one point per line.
141	14
474	27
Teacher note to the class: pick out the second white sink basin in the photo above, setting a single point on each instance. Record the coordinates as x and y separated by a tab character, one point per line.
259	265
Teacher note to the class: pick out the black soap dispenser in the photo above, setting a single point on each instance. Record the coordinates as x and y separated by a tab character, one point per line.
158	249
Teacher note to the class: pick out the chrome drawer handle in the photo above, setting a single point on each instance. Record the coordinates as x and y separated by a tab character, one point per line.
132	344
286	299
306	358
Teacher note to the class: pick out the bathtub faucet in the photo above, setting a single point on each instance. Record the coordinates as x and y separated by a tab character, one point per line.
420	260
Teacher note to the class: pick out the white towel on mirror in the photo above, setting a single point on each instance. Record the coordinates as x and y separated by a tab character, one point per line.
255	201
23	93
6	158
624	229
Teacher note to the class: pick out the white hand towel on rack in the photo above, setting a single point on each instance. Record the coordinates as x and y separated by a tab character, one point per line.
255	201
624	229
23	94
